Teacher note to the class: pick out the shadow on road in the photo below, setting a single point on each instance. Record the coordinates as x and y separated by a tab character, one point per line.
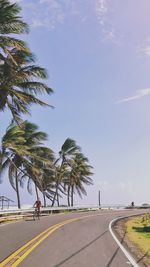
116	251
143	258
75	253
29	219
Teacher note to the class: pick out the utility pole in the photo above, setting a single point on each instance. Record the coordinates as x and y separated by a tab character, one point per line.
99	198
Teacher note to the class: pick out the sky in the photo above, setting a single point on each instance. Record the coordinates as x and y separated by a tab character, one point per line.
97	54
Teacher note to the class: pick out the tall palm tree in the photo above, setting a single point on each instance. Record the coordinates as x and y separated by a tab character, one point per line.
39	156
20	146
80	175
11	23
60	175
68	149
48	184
20	83
40	170
20	78
13	148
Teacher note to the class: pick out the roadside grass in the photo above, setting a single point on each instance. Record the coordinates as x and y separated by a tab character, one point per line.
138	231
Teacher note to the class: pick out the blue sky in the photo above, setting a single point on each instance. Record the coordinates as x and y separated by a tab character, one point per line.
97	53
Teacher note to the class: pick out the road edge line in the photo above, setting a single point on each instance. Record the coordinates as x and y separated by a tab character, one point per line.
126	253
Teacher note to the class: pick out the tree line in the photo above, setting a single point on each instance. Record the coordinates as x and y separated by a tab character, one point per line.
23	153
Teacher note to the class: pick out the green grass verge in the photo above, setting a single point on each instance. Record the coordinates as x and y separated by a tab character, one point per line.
138	231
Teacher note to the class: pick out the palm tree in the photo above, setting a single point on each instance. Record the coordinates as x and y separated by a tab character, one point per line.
39	156
79	176
20	83
10	23
20	78
20	148
68	149
13	148
41	171
60	175
48	183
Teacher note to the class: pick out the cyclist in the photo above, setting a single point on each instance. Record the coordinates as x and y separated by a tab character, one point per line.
37	205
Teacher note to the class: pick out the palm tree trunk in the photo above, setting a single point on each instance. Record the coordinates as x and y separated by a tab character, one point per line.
57	184
72	191
36	191
56	192
3	98
56	161
17	191
68	196
57	199
44	197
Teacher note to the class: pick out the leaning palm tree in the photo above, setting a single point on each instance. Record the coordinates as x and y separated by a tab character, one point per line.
10	23
20	146
20	78
20	83
59	177
12	152
80	175
40	171
48	183
38	157
68	149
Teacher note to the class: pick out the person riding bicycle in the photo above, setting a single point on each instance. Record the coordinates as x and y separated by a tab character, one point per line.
37	205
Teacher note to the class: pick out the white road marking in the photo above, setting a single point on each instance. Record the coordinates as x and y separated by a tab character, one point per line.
128	262
127	254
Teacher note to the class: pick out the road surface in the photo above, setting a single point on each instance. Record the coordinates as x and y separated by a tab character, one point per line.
65	240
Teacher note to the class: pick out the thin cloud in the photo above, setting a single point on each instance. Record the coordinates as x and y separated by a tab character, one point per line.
139	94
144	48
144	51
50	14
103	9
44	13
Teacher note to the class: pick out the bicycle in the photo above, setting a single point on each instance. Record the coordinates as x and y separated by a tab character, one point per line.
36	214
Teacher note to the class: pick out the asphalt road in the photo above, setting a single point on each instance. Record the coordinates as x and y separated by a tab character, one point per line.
84	242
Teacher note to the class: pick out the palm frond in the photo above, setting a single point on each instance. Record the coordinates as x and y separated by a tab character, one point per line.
69	146
6	43
3	167
22	101
33	71
10	22
34	87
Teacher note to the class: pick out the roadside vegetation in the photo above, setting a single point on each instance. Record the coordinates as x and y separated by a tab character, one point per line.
138	231
23	154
